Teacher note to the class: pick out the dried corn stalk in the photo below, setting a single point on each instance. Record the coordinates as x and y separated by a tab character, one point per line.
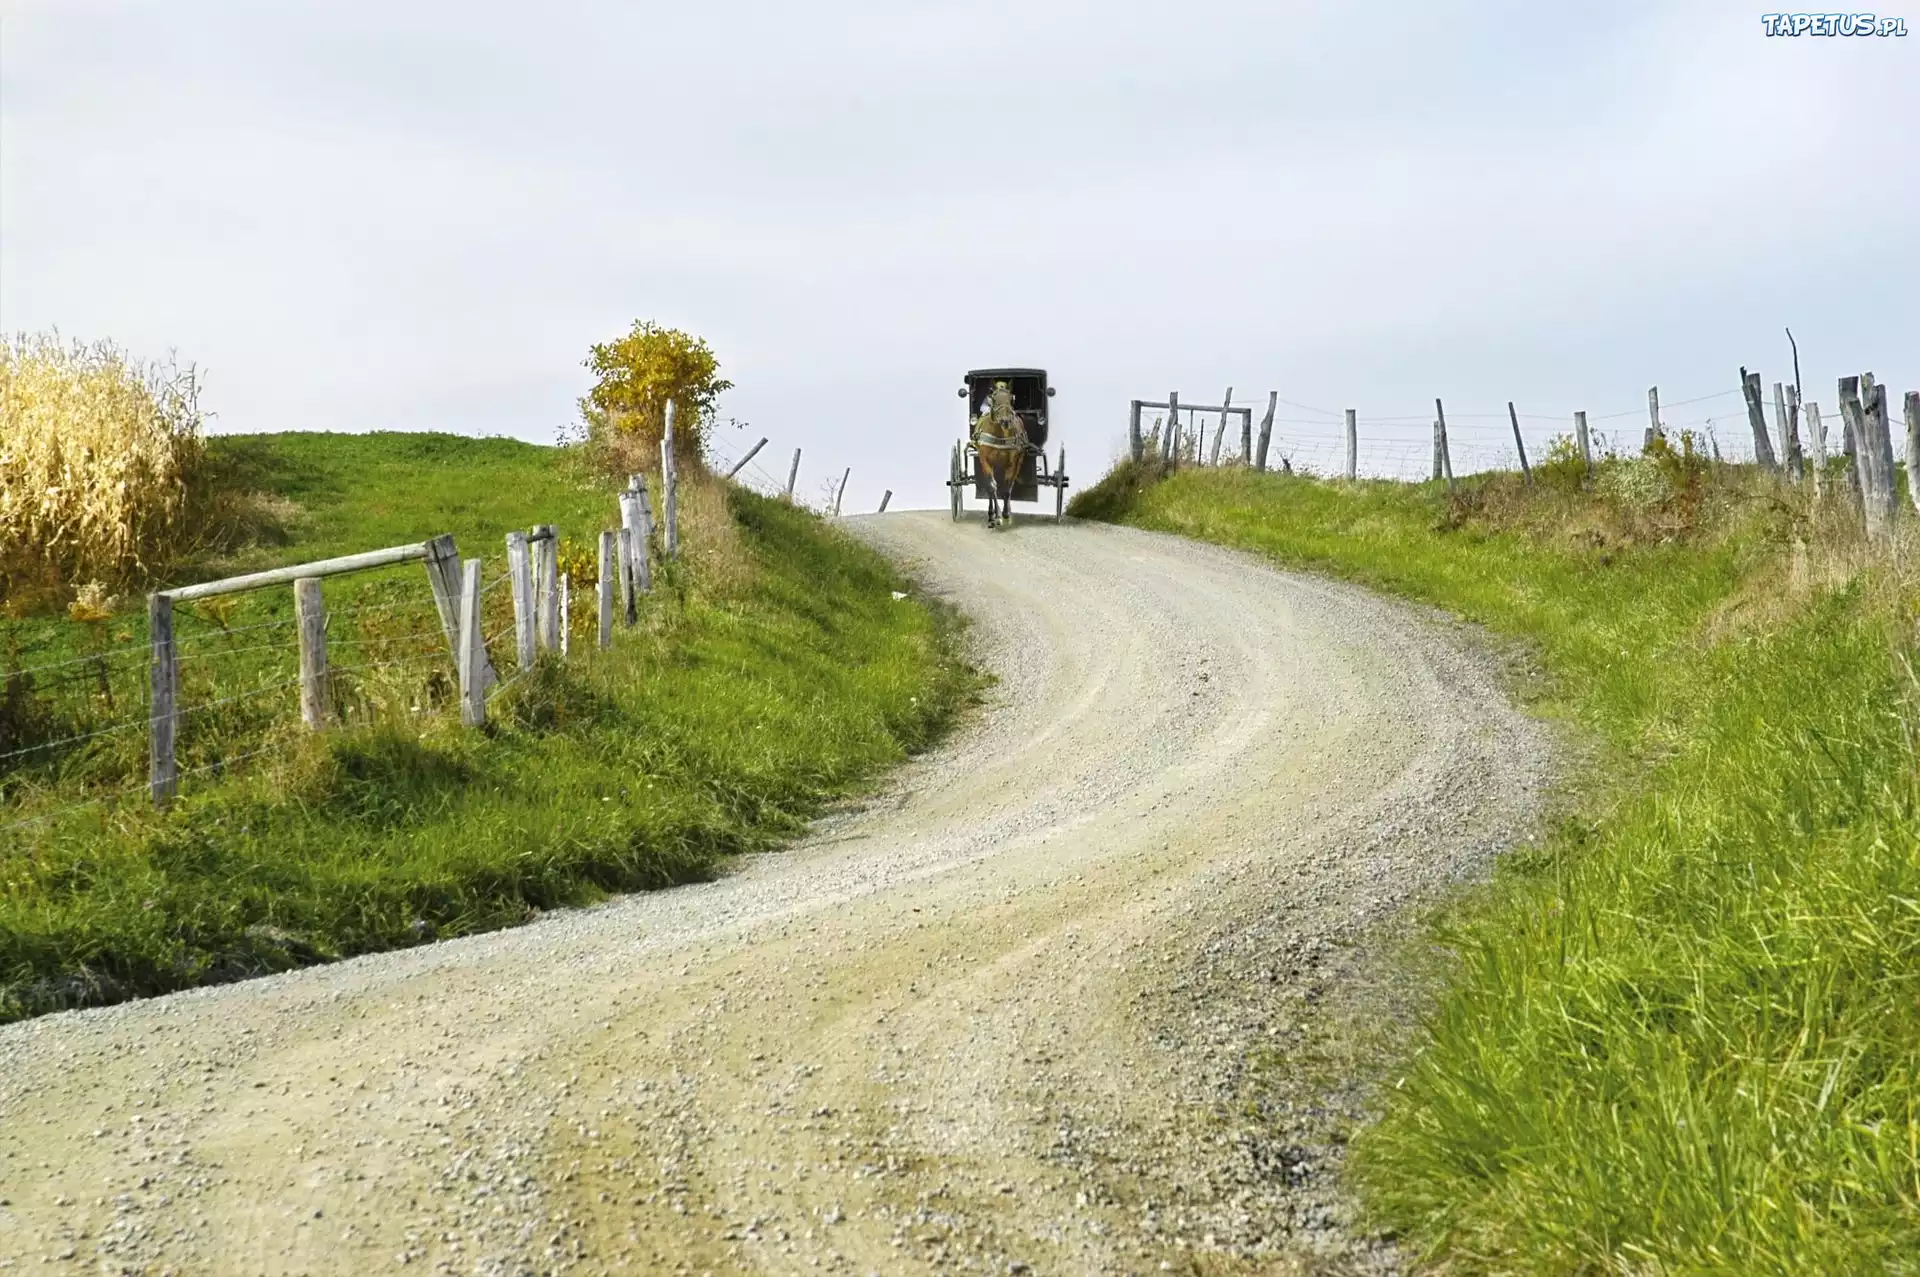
99	457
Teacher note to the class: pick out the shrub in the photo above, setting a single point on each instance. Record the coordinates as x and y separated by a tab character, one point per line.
101	465
624	415
1563	469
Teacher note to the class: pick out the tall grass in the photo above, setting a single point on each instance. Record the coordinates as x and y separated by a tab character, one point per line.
1680	1032
100	463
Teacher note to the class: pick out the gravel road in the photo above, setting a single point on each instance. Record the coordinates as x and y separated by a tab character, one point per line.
1054	1001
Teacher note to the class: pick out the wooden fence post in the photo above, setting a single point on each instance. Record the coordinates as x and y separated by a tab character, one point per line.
1169	442
1879	440
163	715
841	491
629	597
1850	440
1817	436
544	547
670	493
1446	453
1266	431
636	519
1436	449
1583	439
1912	408
1856	397
1654	430
609	546
793	472
1789	447
751	453
473	649
884	498
1135	445
1757	421
443	578
520	567
1788	407
1219	437
1353	444
310	615
1520	445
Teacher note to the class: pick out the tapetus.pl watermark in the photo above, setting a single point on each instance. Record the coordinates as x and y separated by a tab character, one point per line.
1832	24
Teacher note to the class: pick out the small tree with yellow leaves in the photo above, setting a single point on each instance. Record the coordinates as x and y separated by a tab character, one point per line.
624	415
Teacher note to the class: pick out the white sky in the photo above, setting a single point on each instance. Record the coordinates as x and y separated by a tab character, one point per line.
417	216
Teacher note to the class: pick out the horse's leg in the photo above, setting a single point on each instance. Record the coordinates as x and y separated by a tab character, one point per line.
993	496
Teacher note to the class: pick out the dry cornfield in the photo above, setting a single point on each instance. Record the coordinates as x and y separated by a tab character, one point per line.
100	461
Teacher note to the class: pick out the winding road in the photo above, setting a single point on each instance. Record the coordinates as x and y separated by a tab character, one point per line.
1050	1002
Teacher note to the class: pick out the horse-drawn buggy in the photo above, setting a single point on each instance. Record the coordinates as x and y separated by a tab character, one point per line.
1003	458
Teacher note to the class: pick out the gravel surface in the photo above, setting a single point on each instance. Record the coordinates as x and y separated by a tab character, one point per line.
1070	995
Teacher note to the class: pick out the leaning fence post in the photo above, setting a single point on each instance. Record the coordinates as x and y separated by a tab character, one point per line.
1446	454
1757	420
884	498
1353	444
841	491
1585	441
608	548
1135	447
310	615
1436	449
1912	408
443	578
163	720
473	651
751	453
793	472
1654	430
1266	430
520	566
1519	444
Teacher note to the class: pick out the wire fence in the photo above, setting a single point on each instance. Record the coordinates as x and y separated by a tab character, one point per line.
82	730
1401	447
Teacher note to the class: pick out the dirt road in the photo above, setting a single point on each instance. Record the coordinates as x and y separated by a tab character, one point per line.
1038	1007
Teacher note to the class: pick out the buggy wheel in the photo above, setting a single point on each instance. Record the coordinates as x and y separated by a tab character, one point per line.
953	482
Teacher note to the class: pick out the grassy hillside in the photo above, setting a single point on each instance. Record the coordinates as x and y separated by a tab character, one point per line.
1682	1032
771	673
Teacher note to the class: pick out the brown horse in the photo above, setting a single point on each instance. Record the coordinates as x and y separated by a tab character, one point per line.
1000	437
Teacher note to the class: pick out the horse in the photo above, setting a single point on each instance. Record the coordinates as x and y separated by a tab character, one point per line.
1000	438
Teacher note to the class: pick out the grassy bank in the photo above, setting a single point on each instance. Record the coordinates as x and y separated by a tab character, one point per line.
771	674
1682	1032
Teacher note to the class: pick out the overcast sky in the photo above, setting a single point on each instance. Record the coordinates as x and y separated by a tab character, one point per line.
417	216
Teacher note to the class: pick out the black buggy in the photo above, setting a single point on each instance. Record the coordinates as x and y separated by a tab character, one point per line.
1030	395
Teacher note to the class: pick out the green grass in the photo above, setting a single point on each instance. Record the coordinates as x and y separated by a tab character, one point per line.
761	685
1680	1032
